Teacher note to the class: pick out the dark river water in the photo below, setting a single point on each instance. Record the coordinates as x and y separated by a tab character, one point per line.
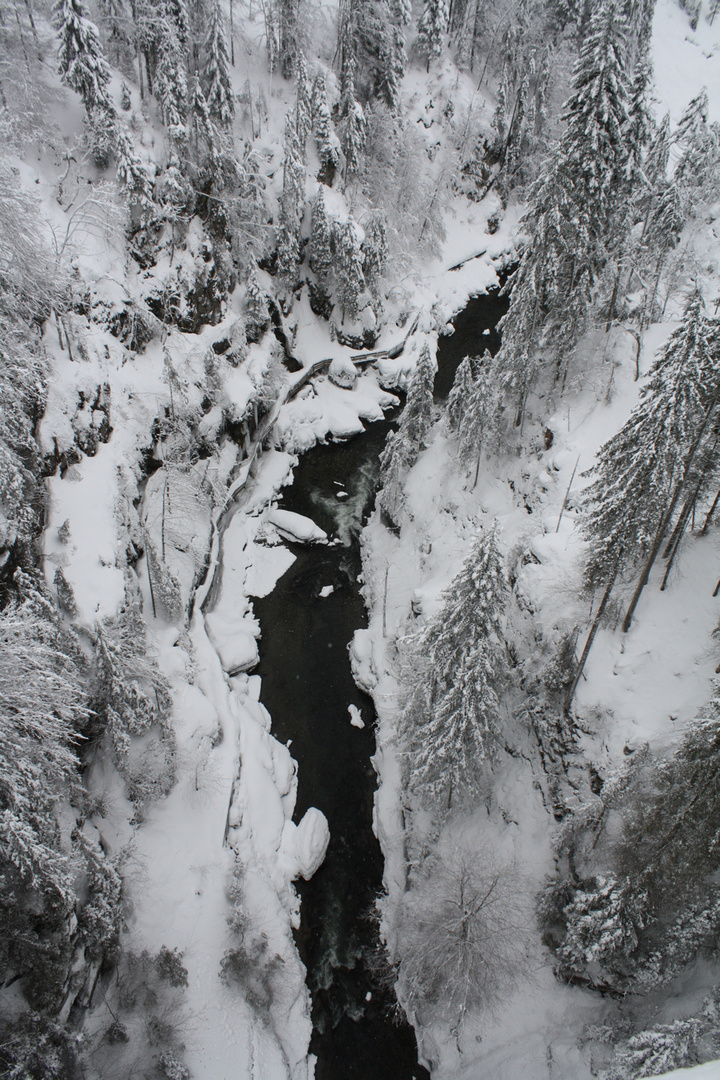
307	685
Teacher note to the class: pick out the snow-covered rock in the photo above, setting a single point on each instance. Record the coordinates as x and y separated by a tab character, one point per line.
236	647
361	661
304	845
296	526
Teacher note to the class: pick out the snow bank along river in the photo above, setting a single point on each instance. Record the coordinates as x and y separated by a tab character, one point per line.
307	622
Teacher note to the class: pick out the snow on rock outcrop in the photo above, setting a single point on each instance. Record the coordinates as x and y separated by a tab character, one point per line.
361	661
297	526
236	647
304	845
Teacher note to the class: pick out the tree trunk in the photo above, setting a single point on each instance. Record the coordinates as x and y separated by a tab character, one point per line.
667	517
588	644
711	511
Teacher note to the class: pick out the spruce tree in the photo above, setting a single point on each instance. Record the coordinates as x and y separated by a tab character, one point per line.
451	725
216	70
321	257
81	62
257	314
477	421
462	389
697	170
325	139
303	106
351	282
431	29
170	82
573	217
404	446
353	126
375	250
203	133
133	174
639	469
292	206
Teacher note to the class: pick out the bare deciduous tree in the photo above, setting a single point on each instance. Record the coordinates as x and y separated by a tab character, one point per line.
461	935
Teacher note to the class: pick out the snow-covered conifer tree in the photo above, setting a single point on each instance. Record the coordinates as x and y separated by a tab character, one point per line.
216	69
658	1050
257	314
170	82
321	257
602	922
639	469
477	420
375	250
303	106
203	133
325	138
697	170
431	29
404	446
292	205
451	725
351	282
133	174
462	388
353	126
574	212
81	62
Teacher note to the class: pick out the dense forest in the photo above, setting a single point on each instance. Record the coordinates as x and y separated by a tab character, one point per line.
232	230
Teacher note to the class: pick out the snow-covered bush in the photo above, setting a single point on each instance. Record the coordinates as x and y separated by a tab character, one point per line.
131	698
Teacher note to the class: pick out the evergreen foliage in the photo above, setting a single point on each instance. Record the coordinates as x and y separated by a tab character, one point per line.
133	174
292	206
375	250
288	25
170	82
602	924
403	447
349	260
216	70
573	215
431	29
639	469
321	255
303	106
697	170
257	314
81	62
462	389
130	697
352	122
451	725
325	138
203	133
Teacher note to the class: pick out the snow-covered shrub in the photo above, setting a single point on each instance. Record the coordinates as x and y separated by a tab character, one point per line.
35	1048
250	964
602	923
657	1050
130	698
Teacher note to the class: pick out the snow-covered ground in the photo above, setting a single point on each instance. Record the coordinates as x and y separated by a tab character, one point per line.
228	817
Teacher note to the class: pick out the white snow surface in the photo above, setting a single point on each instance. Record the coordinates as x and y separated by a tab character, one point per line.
233	802
709	1071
